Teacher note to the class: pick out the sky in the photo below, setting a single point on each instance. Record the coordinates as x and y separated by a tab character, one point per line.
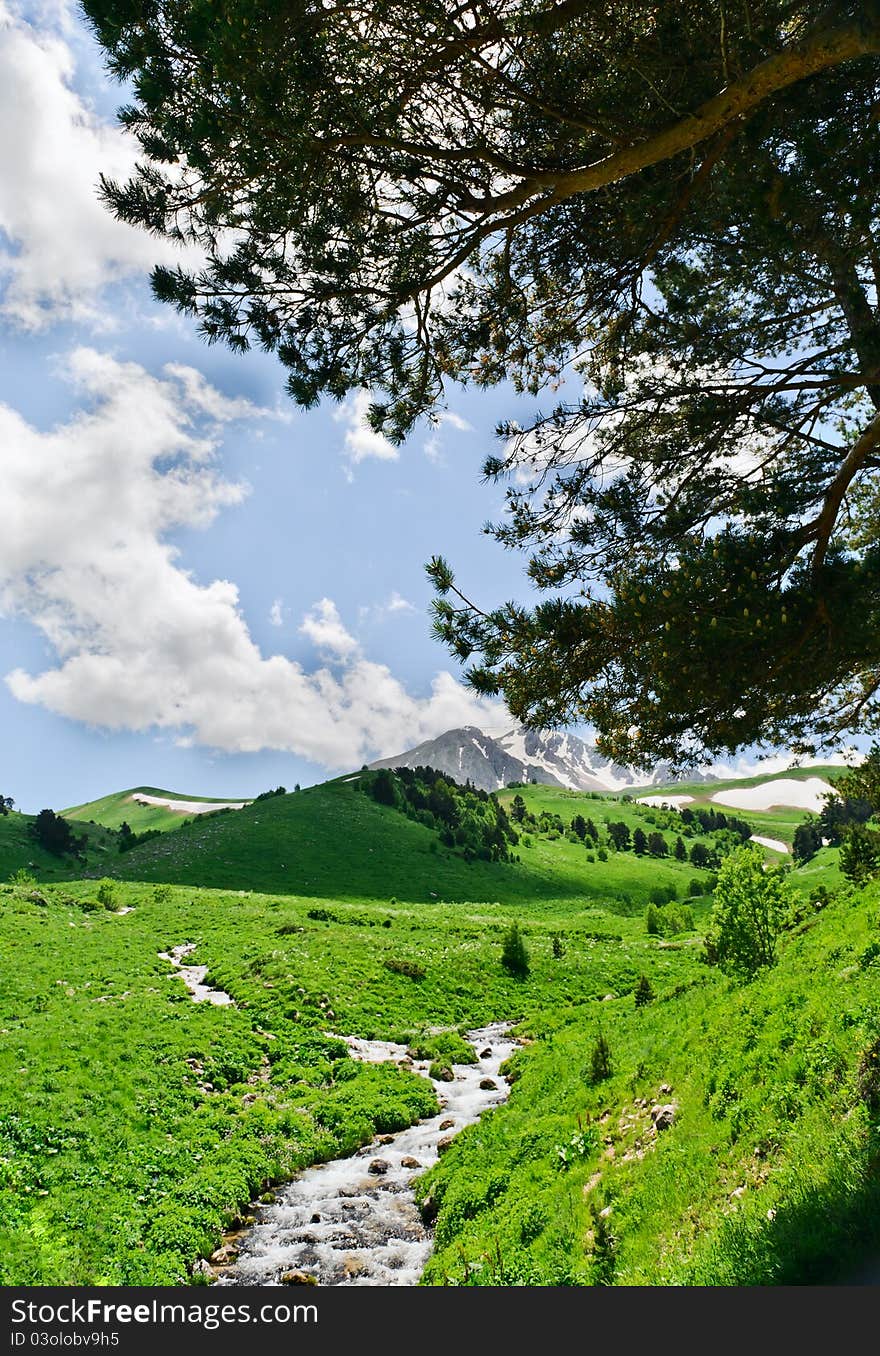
203	588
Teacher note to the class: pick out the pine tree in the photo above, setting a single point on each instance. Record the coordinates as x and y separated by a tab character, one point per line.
514	953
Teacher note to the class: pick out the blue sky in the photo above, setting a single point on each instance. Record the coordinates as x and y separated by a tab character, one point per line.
202	587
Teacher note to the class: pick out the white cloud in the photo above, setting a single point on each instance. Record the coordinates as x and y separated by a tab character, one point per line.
396	603
361	441
139	644
276	613
433	445
58	244
324	628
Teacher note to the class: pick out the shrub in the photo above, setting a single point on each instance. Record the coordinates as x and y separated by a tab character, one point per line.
558	947
652	920
514	953
411	969
644	991
602	854
106	893
868	1077
600	1066
582	1144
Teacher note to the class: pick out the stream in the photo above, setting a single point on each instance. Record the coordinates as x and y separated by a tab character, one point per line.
354	1221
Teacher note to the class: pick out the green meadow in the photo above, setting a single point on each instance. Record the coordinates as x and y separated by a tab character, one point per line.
136	1125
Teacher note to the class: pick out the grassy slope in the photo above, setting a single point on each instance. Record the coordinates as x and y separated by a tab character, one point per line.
119	1163
769	1174
135	1123
779	822
332	841
18	851
112	810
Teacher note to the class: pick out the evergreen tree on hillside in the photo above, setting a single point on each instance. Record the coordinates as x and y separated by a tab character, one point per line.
807	840
514	953
640	842
55	834
700	855
618	834
680	851
384	787
657	845
860	854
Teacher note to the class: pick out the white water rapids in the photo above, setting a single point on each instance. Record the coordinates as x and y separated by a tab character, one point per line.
354	1221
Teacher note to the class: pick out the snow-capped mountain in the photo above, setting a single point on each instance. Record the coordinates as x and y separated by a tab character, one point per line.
554	758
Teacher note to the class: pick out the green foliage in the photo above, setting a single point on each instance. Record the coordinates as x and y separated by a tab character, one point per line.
860	854
601	1066
643	992
514	953
469	820
412	969
54	834
107	893
558	946
748	910
583	1143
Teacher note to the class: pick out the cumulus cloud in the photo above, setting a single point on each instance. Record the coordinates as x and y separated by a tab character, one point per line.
324	628
361	441
58	244
139	644
276	613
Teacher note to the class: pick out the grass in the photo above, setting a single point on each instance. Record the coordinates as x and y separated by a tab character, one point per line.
294	844
114	810
136	1125
20	852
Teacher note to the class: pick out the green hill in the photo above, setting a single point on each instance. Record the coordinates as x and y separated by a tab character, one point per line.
333	841
147	1123
121	806
20	852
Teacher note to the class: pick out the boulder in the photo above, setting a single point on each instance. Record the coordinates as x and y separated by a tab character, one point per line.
447	1124
664	1115
486	1054
488	1084
409	1162
445	1143
224	1254
379	1167
298	1278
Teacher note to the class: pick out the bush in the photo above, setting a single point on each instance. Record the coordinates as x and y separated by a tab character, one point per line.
411	969
644	991
747	913
514	953
652	920
582	1144
106	893
558	947
600	1066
